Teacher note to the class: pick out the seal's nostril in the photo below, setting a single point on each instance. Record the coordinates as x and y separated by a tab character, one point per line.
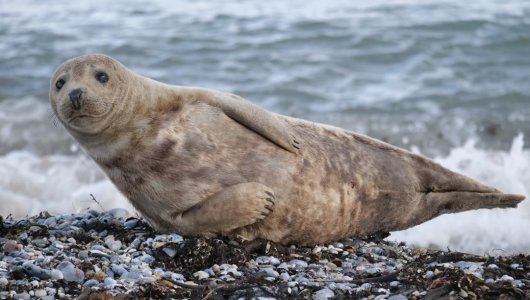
75	96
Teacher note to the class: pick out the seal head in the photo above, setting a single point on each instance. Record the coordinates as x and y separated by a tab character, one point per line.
87	93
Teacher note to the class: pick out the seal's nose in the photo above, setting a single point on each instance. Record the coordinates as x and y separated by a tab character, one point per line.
75	96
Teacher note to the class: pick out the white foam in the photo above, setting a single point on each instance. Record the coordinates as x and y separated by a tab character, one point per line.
57	183
494	232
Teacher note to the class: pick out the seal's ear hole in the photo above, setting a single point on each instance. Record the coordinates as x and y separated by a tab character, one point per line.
102	77
59	83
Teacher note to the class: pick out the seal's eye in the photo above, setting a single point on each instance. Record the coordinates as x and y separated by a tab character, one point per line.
59	84
102	77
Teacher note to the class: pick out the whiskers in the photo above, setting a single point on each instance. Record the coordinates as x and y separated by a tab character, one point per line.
53	117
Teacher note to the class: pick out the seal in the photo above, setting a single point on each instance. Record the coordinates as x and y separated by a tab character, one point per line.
204	162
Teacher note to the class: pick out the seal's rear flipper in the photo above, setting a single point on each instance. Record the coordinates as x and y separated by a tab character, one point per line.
446	191
452	202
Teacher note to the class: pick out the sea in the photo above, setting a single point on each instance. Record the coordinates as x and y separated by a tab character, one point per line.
448	79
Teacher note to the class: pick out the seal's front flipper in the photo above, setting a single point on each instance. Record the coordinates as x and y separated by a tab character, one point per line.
233	207
257	119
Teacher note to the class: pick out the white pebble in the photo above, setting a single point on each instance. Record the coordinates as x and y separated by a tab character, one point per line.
56	274
3	282
201	275
506	278
40	293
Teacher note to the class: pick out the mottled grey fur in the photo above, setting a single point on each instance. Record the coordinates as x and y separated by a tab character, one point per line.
199	161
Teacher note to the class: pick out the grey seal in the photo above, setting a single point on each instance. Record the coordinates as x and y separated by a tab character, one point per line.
204	162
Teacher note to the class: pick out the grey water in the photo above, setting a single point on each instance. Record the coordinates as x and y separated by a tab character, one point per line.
449	79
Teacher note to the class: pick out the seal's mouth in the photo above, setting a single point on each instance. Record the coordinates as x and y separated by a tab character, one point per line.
79	117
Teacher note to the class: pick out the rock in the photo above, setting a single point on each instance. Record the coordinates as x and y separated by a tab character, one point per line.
118	213
323	294
394	283
82	254
297	263
274	261
70	272
36	271
23	296
263	260
56	274
109	282
397	297
227	278
365	286
3	282
429	274
99	253
131	275
268	272
113	244
285	277
147	259
11	246
40	293
118	269
169	252
201	275
91	283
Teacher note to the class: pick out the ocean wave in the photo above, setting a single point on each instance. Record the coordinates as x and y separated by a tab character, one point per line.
53	183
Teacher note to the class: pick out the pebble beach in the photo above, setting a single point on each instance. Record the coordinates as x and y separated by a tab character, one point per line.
113	255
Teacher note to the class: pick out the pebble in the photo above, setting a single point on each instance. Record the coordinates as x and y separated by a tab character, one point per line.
284	277
36	271
170	252
201	275
99	253
91	283
71	272
506	278
109	282
40	293
56	274
394	283
3	282
429	274
11	246
118	213
118	269
74	251
323	294
268	272
131	275
130	224
397	297
297	263
274	261
24	296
